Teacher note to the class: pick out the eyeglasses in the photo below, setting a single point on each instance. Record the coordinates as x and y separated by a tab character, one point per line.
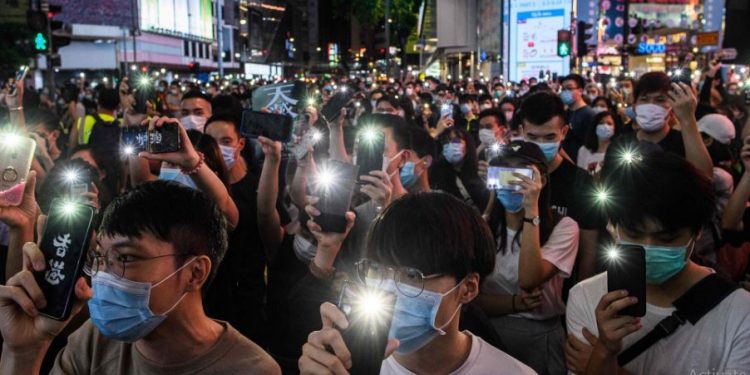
116	263
409	281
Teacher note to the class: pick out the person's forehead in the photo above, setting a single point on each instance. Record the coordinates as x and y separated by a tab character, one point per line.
552	125
147	244
488	120
220	129
191	103
653	95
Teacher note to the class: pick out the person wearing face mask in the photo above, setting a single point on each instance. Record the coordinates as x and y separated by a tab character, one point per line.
493	130
240	285
592	92
469	110
485	102
542	121
451	248
456	171
578	115
145	298
390	106
598	138
662	202
537	249
414	175
196	109
658	103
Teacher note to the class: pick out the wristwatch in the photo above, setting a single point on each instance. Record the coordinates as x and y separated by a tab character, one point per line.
533	221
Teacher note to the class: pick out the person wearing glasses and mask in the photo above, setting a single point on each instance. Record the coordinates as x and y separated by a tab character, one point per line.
145	300
431	251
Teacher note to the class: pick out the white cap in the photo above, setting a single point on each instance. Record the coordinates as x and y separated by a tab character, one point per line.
719	127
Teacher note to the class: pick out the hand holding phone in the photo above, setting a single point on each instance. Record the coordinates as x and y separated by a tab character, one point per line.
368	150
334	185
500	178
16	155
19	77
274	126
626	270
136	139
185	157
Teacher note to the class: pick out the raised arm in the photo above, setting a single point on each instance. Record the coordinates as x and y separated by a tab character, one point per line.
269	222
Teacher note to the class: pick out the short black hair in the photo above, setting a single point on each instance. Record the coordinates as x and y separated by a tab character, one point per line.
541	107
390	100
195	94
580	82
223	117
652	82
46	119
497	113
421	142
176	214
401	134
656	185
467	98
109	99
435	233
229	105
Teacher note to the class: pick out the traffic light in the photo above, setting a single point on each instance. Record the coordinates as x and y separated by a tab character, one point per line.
583	33
194	67
563	43
60	33
36	20
40	42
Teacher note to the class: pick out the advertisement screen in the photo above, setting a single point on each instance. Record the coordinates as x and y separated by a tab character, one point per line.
533	37
184	18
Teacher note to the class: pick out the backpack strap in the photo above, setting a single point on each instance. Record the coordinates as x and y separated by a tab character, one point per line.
691	307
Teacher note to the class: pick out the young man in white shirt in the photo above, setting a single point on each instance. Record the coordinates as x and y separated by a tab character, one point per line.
431	250
659	201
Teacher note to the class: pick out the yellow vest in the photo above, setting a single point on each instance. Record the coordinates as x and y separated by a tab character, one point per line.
88	125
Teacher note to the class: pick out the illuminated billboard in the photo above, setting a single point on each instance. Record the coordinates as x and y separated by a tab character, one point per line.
533	37
183	18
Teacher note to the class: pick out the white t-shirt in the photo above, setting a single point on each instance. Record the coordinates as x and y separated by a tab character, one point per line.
560	250
484	359
718	344
588	161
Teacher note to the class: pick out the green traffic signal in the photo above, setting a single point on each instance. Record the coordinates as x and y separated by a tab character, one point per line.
563	50
40	42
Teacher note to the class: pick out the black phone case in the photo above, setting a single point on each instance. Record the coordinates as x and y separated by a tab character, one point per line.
135	136
64	244
370	156
366	342
335	200
274	126
332	109
165	139
628	272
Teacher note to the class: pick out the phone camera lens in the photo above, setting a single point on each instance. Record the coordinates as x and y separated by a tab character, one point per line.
10	174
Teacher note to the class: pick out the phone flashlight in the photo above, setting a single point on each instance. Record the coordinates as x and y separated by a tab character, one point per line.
370	134
69	208
128	150
316	135
71	176
357	104
11	140
613	253
602	195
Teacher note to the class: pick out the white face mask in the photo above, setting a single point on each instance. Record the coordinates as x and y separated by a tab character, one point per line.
194	122
487	137
650	117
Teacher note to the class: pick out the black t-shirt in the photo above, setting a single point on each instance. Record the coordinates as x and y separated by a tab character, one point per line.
571	194
237	294
671	143
580	120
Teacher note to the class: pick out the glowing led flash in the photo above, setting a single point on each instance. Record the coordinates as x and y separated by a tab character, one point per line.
371	304
11	140
69	208
602	196
495	147
613	253
129	150
316	135
370	134
71	176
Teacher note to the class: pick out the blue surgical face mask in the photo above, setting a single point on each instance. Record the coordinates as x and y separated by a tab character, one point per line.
663	262
512	201
407	175
605	131
120	307
228	153
454	152
414	322
549	149
174	174
465	109
567	97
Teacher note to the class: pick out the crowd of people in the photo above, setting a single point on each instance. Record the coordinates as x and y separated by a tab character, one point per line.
214	259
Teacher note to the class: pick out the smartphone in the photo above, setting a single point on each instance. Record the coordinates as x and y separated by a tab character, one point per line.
493	151
165	139
368	151
65	244
683	77
335	195
20	75
80	184
370	313
16	155
626	269
309	140
275	126
499	178
332	109
446	111
134	139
